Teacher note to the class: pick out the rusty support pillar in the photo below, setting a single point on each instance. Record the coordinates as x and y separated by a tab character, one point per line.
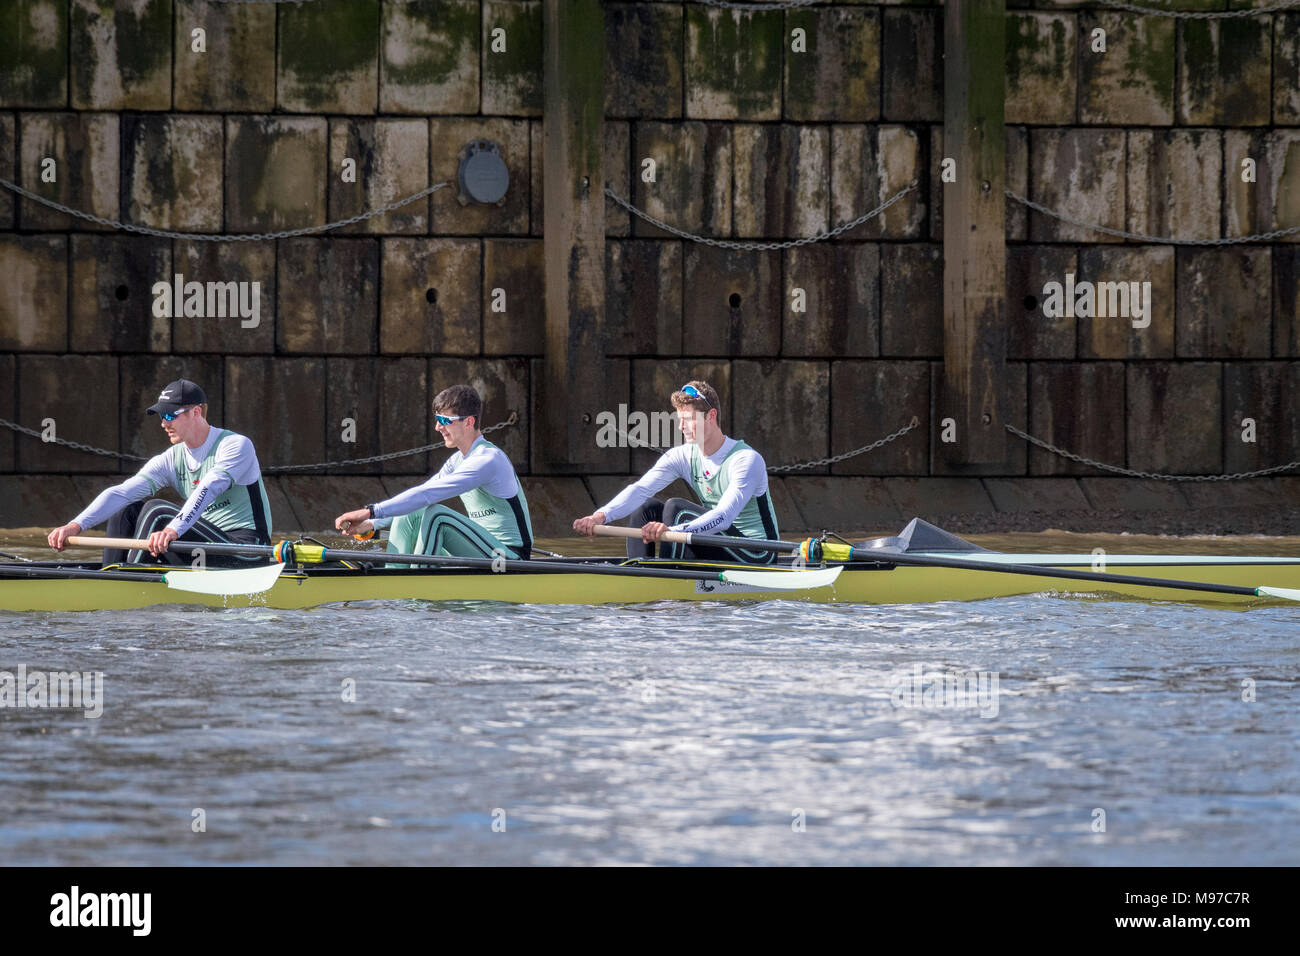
573	390
974	388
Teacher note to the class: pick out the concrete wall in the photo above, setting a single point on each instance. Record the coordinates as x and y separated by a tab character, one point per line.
751	140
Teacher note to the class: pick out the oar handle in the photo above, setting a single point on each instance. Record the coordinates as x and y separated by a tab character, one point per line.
127	544
620	531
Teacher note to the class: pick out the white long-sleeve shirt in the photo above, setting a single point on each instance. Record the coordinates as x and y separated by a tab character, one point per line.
489	469
235	463
748	479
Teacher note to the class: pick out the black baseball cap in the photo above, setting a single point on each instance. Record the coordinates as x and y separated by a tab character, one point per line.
179	394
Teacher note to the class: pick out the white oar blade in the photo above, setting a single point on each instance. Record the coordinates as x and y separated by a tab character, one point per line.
234	581
784	580
1290	594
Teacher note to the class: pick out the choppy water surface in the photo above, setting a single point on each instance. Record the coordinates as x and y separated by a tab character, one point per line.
704	733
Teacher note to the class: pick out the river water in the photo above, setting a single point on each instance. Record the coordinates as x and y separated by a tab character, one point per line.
1117	733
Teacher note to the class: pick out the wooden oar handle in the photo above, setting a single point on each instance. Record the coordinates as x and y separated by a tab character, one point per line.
619	531
86	541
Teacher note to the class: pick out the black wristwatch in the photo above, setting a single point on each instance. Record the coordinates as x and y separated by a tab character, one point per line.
371	509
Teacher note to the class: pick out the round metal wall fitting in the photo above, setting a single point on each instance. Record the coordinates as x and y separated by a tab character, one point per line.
482	176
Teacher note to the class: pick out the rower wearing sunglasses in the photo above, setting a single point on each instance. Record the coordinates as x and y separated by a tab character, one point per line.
215	470
479	472
729	477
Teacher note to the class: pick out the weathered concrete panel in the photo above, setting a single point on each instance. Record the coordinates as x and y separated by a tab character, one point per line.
849	506
733	63
870	400
1286	68
47	503
34	53
643	296
782	181
171	171
870	164
1224	72
1035	494
431	301
503	384
429	60
840	286
265	401
1031	333
319	499
85	148
223	263
121	54
8	373
1115	336
34	306
448	136
142	378
836	74
1078	407
392	162
928	497
327	298
913	65
1174	417
275	172
1173	180
1042	64
515	267
554	503
617	162
1286	301
733	302
643	60
112	298
1017	413
8	151
773	416
911	300
57	387
1080	173
1223	302
1132	494
238	70
512	77
653	383
328	58
692	169
387	403
1267	196
1132	82
615	460
1268	394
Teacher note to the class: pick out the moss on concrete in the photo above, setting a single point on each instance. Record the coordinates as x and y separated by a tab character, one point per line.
1150	57
737	54
519	69
434	56
322	43
33	53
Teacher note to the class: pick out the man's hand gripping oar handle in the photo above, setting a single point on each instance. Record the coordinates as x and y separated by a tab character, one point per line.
619	531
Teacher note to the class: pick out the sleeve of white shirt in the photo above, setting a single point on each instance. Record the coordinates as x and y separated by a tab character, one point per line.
234	463
674	463
155	475
748	478
472	472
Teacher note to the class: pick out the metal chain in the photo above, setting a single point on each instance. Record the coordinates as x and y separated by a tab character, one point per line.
208	237
388	457
781	5
850	454
14	426
732	244
1145	474
803	464
1164	240
1189	15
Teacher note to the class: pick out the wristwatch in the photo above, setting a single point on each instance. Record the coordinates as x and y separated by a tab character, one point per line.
371	509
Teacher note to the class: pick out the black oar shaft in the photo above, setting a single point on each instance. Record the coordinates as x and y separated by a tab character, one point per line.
1046	572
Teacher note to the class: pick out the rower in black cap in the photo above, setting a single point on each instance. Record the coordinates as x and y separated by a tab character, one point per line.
214	470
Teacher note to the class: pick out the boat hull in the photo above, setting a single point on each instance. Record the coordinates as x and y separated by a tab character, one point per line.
858	584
